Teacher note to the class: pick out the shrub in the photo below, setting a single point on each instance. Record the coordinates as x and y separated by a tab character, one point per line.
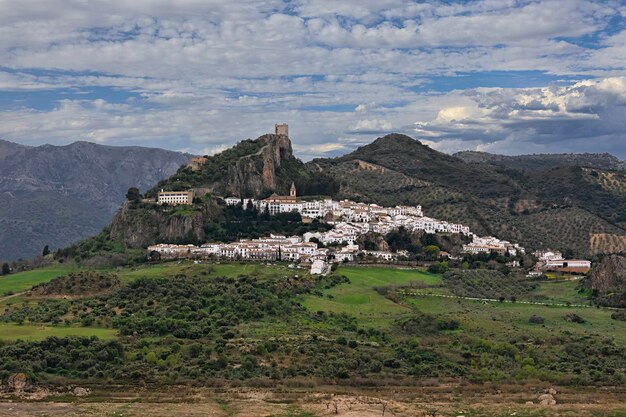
574	318
619	315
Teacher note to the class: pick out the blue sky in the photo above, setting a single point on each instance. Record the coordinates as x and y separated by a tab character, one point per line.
504	76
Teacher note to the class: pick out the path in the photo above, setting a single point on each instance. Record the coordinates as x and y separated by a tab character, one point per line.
17	294
494	300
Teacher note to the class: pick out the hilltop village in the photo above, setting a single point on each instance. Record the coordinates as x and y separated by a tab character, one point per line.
349	221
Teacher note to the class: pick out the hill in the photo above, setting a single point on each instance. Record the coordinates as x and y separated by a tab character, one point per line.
567	207
251	168
229	325
56	195
540	162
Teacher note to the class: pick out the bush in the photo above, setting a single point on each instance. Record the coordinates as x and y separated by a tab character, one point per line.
619	315
574	318
536	319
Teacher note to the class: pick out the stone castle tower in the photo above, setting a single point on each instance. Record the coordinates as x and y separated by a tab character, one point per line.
282	129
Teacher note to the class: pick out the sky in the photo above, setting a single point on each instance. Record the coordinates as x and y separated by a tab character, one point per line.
501	76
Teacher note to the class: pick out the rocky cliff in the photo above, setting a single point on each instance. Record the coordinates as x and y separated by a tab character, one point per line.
259	173
252	168
138	226
608	281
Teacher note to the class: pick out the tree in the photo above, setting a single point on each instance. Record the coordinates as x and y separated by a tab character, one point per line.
133	194
6	269
46	251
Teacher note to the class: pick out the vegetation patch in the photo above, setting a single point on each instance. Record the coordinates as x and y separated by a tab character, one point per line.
76	284
22	281
483	283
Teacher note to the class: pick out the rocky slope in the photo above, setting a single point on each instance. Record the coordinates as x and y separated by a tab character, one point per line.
252	168
56	195
138	226
539	162
608	281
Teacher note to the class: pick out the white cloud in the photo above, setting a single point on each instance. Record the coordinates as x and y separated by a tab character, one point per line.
587	115
205	74
372	125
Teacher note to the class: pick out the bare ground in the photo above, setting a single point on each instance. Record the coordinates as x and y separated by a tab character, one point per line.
443	400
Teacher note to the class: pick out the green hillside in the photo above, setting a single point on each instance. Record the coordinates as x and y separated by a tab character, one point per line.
179	323
567	207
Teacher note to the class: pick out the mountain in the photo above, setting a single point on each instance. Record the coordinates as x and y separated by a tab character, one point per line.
56	195
252	168
567	207
539	162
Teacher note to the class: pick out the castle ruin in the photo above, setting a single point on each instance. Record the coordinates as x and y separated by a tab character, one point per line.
281	129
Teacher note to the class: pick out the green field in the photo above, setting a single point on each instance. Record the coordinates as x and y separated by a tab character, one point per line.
32	332
23	281
233	270
561	291
506	320
174	318
360	299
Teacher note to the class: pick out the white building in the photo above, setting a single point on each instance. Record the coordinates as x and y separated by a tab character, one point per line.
175	197
548	255
319	267
568	263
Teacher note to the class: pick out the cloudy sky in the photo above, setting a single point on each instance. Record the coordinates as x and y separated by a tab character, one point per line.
199	75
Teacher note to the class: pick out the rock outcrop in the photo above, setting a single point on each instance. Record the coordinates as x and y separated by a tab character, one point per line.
139	227
608	281
258	174
18	383
547	399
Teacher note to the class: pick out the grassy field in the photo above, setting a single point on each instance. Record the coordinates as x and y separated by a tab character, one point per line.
508	320
360	299
261	271
561	291
31	332
23	281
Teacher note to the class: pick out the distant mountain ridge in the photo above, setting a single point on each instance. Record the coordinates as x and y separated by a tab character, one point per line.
56	195
535	162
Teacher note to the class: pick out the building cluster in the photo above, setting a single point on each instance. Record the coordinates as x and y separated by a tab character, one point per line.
349	219
549	260
492	244
327	208
272	248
